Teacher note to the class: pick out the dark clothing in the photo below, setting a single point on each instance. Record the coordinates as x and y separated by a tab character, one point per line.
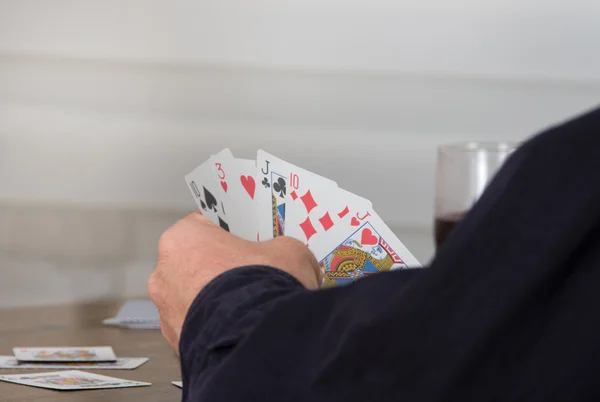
508	310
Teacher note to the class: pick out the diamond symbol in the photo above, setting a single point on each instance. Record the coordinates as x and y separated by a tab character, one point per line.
308	228
344	212
308	201
294	195
326	221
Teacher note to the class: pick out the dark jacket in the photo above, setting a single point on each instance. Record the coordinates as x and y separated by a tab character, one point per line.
508	310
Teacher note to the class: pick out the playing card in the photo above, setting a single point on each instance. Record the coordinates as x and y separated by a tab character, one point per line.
65	354
205	189
315	208
124	363
277	177
177	384
237	193
136	314
70	381
361	247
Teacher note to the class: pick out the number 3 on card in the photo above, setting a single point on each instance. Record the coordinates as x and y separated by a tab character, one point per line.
220	171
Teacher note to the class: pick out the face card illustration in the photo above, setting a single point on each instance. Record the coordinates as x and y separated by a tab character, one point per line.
275	177
237	193
70	381
205	190
65	354
122	363
313	209
352	252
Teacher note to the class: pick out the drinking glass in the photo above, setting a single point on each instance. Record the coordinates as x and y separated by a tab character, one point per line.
463	171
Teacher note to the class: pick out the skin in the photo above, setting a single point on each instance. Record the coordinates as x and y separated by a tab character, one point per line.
194	251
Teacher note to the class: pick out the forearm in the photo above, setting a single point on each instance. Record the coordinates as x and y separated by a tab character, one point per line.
224	312
256	324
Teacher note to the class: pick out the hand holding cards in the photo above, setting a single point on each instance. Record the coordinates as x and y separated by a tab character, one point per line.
269	197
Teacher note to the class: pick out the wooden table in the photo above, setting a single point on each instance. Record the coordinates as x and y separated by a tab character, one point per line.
81	325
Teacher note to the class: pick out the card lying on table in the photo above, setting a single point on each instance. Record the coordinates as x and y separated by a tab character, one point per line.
122	363
70	381
136	314
268	197
65	354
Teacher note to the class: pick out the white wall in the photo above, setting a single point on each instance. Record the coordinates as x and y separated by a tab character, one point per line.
114	101
530	38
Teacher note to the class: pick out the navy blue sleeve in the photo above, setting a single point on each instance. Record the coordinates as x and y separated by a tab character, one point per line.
224	312
221	326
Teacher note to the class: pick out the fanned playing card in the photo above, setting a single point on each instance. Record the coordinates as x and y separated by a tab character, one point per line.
314	208
66	354
363	246
204	186
269	197
122	363
276	178
70	381
237	193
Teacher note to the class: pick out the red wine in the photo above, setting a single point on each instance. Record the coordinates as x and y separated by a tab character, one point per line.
444	225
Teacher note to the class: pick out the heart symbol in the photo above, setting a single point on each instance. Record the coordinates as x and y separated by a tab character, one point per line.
367	237
354	221
224	185
249	184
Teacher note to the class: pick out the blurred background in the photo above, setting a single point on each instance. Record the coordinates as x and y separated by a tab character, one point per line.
106	105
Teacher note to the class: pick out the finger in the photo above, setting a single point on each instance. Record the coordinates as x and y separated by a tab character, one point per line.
319	274
169	335
197	216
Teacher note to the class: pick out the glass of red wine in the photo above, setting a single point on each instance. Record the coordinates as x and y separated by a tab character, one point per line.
463	171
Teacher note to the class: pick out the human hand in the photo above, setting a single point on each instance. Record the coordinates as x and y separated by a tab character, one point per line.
194	251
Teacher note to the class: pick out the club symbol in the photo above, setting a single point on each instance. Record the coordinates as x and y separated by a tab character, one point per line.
266	183
279	187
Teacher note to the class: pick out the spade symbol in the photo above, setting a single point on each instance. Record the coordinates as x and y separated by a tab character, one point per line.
203	205
211	201
266	183
279	187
